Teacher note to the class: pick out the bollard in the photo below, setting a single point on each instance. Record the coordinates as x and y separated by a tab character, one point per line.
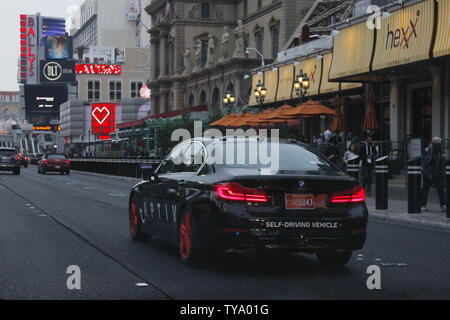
447	174
353	168
382	175
414	184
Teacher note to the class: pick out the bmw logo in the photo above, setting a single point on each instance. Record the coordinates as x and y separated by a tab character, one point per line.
301	184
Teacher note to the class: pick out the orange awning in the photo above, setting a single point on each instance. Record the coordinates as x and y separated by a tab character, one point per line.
240	121
309	108
254	120
223	121
370	121
278	114
337	125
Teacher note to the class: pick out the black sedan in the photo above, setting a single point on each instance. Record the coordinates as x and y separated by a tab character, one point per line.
241	194
9	160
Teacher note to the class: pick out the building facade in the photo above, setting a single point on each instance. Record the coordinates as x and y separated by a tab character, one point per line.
101	23
199	47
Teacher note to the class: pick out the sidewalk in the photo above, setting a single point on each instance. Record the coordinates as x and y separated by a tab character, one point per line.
398	209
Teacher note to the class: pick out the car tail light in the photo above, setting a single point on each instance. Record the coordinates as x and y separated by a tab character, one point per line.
26	158
18	158
45	161
68	161
234	191
354	195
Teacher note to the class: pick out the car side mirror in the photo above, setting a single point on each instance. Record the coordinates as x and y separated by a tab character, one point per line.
148	172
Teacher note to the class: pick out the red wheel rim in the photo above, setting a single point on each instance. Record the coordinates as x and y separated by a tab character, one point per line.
185	235
133	218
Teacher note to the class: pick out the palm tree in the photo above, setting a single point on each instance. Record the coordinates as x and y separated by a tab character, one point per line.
80	51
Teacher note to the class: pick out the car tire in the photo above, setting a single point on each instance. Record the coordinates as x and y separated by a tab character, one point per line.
25	165
135	222
188	240
62	172
16	172
68	172
333	259
43	171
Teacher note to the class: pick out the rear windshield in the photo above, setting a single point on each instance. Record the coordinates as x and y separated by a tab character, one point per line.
271	155
56	156
7	153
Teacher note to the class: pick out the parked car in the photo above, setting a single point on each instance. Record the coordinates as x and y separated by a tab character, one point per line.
9	160
34	158
54	162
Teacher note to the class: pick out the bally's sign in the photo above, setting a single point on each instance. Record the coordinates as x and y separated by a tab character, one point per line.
57	71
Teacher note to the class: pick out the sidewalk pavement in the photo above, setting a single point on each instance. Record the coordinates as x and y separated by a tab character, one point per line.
398	210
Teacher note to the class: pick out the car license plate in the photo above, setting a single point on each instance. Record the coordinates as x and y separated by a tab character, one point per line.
299	201
57	167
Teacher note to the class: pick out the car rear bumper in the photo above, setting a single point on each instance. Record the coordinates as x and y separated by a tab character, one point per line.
9	167
63	168
246	241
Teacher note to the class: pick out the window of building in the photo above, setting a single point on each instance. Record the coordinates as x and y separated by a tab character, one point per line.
115	90
275	41
245	7
259	41
136	88
259	4
93	90
205	10
7	98
2	99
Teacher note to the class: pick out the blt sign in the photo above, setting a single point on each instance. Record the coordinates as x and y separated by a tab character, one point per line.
28	49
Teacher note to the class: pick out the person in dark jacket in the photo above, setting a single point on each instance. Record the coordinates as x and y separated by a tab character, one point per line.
368	155
331	151
433	173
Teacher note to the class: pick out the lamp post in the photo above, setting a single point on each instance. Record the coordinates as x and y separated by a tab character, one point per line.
259	53
228	100
301	84
260	92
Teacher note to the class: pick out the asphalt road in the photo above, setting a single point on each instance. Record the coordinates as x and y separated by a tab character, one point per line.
49	222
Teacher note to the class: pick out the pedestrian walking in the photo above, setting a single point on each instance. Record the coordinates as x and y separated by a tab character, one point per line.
331	151
433	173
368	154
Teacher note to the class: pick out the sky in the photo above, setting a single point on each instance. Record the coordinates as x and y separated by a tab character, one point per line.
9	31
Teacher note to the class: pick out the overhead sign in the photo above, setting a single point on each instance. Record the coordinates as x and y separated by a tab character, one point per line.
58	47
28	49
98	69
44	99
53	128
58	71
103	118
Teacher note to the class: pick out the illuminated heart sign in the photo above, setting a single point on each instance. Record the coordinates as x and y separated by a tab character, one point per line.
103	118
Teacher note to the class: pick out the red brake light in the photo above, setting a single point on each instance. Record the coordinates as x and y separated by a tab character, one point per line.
234	191
68	161
45	161
349	196
26	158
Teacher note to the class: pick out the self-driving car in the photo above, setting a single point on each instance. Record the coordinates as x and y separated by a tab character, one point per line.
249	194
54	163
9	160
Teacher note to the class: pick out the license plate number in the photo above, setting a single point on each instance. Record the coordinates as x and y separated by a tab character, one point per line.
57	167
299	201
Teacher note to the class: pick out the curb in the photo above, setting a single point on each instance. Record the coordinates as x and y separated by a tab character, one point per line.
410	221
105	175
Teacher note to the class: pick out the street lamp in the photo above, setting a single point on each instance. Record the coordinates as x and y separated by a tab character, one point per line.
259	53
301	84
228	100
260	92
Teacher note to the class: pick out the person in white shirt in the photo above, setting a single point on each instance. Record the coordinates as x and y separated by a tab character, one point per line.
350	154
328	134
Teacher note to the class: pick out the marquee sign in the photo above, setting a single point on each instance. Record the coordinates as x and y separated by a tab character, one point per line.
98	69
103	119
28	49
59	71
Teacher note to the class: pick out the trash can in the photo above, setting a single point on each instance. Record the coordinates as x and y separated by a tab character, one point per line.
353	168
382	175
414	184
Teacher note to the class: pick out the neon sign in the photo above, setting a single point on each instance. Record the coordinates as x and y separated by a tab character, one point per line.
28	48
103	119
98	69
